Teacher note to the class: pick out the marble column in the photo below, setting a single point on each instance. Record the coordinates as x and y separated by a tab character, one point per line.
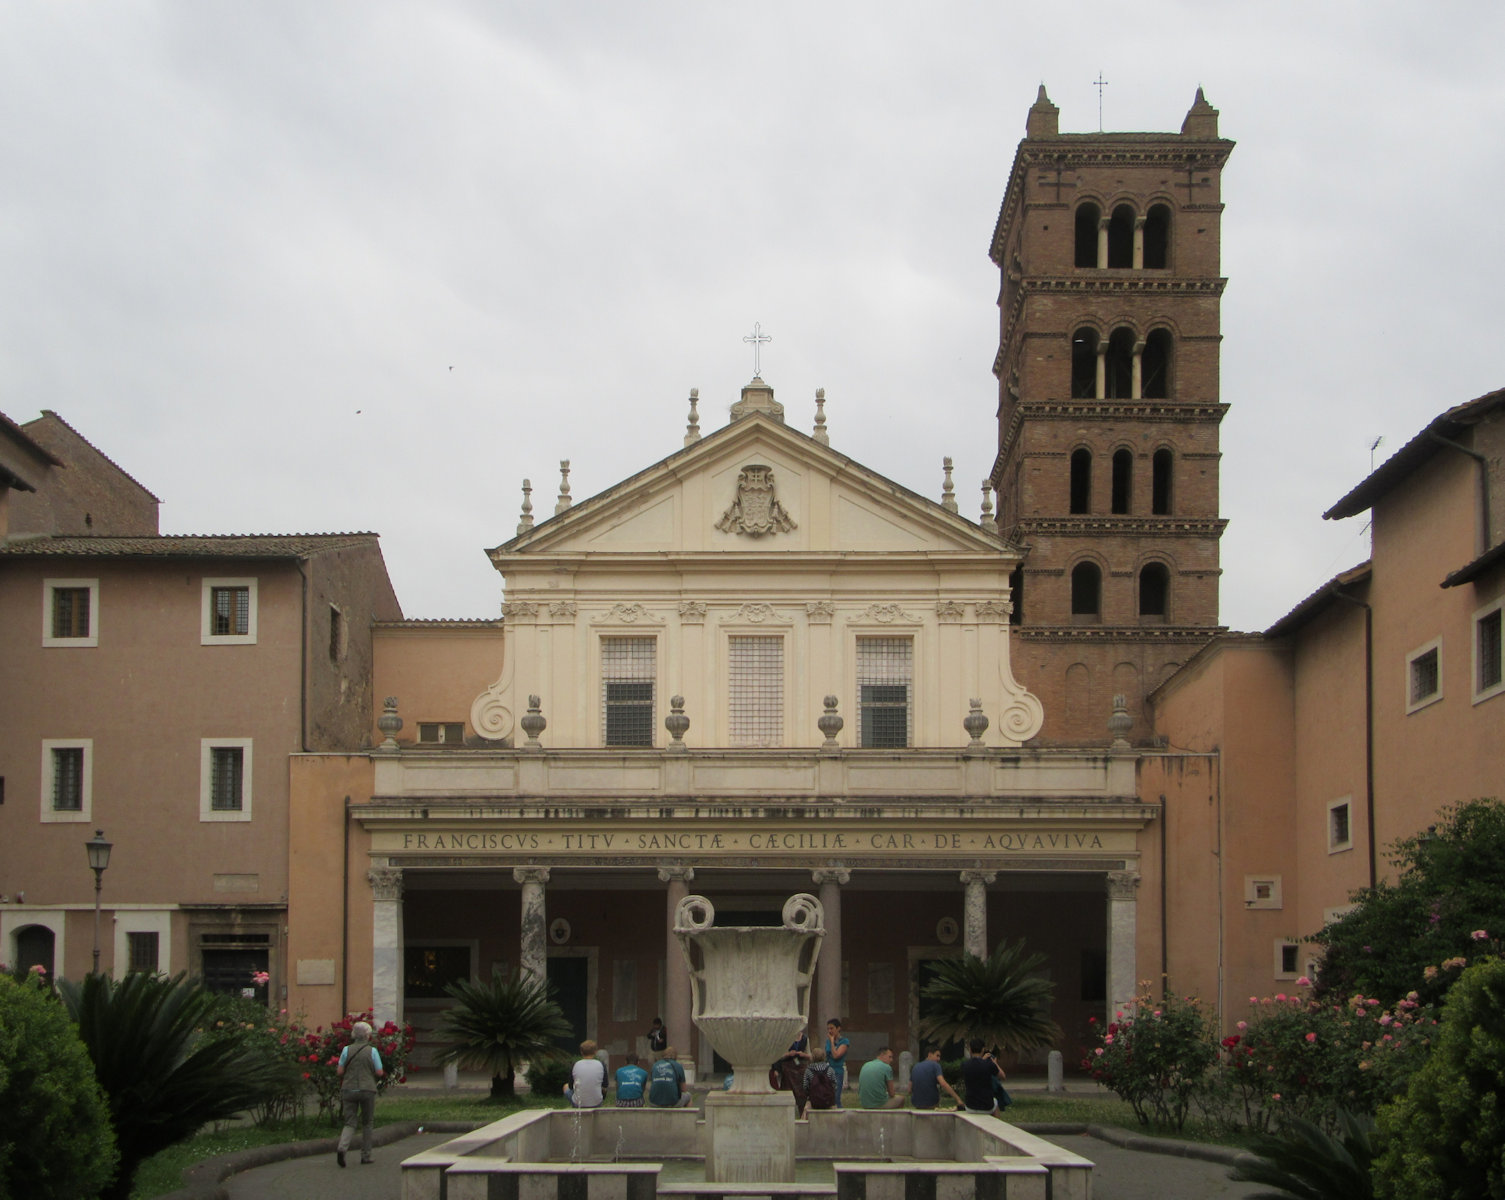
533	958
975	912
828	966
1139	243
386	944
1102	243
1123	908
1136	381
676	971
1101	383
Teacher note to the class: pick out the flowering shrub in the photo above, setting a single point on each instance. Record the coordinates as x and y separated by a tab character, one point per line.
270	1037
1301	1057
1154	1054
319	1054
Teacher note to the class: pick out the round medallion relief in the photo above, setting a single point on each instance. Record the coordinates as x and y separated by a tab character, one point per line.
946	931
559	931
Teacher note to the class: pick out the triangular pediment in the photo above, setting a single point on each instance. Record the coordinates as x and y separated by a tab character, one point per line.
754	487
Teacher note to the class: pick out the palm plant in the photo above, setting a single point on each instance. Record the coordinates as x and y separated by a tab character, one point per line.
1305	1162
163	1077
1000	999
496	1022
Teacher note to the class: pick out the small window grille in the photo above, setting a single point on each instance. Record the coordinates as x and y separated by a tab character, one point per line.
143	951
68	779
1290	956
448	733
755	678
885	678
628	672
1424	676
70	612
1490	672
230	611
1339	831
227	766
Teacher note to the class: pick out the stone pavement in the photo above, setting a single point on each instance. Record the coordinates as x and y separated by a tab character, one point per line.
1121	1173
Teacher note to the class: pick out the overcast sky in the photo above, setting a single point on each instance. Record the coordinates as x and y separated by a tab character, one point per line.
331	266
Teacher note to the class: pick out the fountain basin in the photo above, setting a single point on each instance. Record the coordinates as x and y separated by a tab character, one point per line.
619	1154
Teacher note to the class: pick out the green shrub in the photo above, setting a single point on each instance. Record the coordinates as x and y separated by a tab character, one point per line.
548	1076
55	1134
319	1055
1446	1136
270	1038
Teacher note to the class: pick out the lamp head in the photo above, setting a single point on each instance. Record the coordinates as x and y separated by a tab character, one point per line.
99	851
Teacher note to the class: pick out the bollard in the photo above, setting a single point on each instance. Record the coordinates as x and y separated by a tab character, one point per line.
1054	1073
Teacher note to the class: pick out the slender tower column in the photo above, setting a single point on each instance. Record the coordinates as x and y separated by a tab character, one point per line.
1136	385
1102	370
1102	243
975	911
534	955
1123	910
1139	243
828	967
676	970
386	944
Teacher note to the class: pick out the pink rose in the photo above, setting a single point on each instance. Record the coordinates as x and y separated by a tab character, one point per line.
1311	1037
1478	935
1243	1024
1099	1050
1303	982
1280	995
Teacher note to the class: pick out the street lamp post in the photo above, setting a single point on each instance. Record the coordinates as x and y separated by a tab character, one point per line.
99	858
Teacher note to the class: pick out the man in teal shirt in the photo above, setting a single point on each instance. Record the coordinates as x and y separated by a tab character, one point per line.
875	1082
630	1081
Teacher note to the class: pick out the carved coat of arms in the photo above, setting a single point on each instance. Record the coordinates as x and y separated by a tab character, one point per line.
756	510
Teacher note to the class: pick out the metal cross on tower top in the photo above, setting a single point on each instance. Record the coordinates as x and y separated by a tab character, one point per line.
1100	83
757	338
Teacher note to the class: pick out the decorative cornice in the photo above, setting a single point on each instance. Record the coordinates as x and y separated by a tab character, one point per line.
1189	634
1174	412
1089	526
1124	280
757	613
519	610
628	614
887	614
386	883
562	609
1122	885
950	612
995	610
692	612
820	612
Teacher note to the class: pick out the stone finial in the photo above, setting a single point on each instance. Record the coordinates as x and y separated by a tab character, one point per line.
976	724
692	427
1120	723
564	500
948	488
986	520
1201	119
1044	118
830	724
533	723
820	434
757	397
525	522
677	724
389	722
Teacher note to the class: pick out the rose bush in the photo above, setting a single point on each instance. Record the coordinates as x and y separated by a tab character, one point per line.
1156	1055
319	1054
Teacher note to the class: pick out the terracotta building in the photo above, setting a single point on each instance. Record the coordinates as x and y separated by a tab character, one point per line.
155	688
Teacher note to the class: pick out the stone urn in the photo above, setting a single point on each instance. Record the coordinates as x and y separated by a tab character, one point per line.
751	985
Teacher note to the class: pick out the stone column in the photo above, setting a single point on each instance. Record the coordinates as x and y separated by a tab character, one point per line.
1136	384
676	971
1123	907
975	912
386	944
1102	243
828	968
533	958
1102	370
1139	243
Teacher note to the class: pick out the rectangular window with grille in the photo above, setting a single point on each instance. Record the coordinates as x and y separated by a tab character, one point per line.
68	779
1487	653
142	951
230	611
1423	676
70	612
628	673
226	778
755	682
885	684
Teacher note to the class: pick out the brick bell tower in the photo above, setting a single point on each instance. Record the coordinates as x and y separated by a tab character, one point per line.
1108	410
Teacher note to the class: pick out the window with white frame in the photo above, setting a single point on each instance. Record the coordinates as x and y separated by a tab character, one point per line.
70	612
67	779
1489	665
628	674
885	689
446	733
1263	891
1424	676
228	612
225	779
1340	825
143	941
755	685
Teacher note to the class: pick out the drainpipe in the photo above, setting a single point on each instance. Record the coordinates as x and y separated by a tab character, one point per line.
303	660
345	914
1368	726
1483	462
